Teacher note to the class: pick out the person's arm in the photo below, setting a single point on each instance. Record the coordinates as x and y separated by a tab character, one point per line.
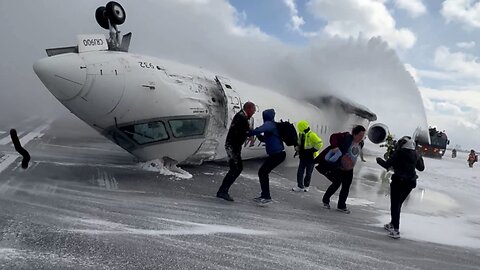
316	141
420	165
261	129
388	163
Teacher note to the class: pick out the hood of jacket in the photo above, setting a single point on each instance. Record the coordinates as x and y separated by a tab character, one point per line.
409	144
302	125
268	115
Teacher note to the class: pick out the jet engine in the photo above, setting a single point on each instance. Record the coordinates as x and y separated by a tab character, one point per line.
378	133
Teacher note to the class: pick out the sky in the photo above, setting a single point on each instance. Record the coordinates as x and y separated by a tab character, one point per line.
403	59
436	40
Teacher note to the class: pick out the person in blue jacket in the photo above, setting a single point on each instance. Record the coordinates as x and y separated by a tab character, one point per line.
275	150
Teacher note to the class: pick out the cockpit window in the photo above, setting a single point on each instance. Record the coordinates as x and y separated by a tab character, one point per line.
187	127
146	133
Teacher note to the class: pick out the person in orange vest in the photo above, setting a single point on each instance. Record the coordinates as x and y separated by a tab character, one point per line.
472	158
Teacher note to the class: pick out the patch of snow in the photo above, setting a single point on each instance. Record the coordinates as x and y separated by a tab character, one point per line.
157	165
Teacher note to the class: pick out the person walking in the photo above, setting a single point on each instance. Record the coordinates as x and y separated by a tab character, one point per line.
404	161
341	173
275	150
236	136
308	146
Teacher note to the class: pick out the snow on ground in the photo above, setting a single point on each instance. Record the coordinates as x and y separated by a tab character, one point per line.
444	206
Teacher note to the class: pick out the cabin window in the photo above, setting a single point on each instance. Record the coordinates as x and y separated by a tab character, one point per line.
146	133
187	127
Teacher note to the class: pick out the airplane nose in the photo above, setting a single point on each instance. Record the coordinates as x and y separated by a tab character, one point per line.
64	75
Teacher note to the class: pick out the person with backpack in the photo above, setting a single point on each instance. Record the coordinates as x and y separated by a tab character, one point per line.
404	161
308	146
340	170
275	150
236	136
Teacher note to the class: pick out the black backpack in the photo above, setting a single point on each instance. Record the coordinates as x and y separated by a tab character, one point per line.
287	132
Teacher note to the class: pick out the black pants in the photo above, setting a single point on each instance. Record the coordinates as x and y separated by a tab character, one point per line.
236	167
304	167
270	163
398	193
339	177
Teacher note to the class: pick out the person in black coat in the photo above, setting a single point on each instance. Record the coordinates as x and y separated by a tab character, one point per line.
404	161
236	136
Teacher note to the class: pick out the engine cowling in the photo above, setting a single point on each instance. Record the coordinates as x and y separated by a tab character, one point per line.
378	133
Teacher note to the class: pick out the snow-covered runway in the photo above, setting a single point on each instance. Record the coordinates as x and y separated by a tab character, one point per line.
85	204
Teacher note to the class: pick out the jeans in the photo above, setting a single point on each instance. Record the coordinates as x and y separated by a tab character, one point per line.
236	167
343	178
305	166
270	163
398	193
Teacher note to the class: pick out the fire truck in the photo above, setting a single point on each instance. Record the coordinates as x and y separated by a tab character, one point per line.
437	145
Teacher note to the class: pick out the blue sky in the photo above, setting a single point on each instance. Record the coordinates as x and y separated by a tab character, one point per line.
430	28
437	40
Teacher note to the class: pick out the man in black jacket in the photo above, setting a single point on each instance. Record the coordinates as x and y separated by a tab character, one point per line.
404	161
237	134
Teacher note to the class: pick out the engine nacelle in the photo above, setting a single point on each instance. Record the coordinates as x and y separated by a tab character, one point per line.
378	133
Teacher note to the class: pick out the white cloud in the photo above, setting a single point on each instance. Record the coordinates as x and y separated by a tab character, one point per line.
448	108
468	99
437	75
466	12
414	7
296	21
368	18
466	45
464	65
456	111
427	103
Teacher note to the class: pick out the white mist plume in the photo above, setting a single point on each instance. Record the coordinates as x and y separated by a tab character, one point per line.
212	34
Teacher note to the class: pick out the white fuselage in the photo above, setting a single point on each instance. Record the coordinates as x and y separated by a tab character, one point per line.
155	108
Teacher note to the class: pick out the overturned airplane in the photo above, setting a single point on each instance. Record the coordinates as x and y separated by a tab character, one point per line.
158	109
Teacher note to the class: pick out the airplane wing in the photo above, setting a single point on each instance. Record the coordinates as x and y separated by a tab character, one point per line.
347	105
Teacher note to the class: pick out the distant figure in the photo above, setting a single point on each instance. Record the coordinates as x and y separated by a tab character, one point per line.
237	134
308	145
340	172
275	150
472	158
454	153
404	161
